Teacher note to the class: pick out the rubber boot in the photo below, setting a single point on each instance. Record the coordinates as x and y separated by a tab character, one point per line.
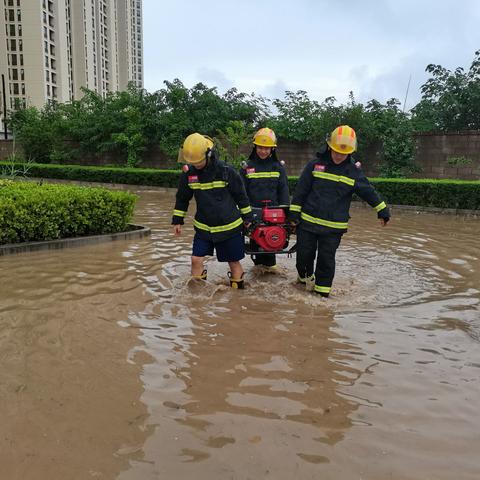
236	283
309	282
203	276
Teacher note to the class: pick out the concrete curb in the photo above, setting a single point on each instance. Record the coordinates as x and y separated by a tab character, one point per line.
419	209
135	232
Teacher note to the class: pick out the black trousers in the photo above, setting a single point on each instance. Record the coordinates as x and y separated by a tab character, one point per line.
324	247
265	259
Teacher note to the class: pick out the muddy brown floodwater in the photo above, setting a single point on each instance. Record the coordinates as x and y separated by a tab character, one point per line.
113	366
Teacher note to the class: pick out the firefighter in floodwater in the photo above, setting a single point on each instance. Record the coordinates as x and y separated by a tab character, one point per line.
321	206
222	207
265	181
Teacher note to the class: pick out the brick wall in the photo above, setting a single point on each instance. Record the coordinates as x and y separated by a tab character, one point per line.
436	152
434	156
6	148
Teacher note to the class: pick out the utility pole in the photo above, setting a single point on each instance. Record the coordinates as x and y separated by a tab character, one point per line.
4	108
406	93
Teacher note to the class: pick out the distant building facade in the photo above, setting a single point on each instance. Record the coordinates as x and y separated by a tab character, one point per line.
49	49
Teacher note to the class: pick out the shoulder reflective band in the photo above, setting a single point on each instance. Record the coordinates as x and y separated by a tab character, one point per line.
179	213
324	223
334	178
380	206
208	186
218	228
295	208
321	289
263	175
245	210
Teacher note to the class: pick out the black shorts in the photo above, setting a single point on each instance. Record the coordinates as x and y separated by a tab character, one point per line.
230	250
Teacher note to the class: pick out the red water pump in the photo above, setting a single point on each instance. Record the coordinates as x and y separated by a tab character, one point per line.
270	230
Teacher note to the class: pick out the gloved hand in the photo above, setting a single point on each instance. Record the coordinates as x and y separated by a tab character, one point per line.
248	227
293	225
384	216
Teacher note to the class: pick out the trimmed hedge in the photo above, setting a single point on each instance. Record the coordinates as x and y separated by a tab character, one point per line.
456	194
424	192
129	176
34	212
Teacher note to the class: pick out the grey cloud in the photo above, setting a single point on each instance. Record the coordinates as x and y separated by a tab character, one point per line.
213	77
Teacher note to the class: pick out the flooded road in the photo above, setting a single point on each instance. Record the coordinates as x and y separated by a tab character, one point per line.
113	366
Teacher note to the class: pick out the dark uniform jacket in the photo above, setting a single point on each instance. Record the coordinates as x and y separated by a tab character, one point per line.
265	180
220	197
324	192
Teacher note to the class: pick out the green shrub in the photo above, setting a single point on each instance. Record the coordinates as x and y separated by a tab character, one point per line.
130	176
460	161
33	212
456	194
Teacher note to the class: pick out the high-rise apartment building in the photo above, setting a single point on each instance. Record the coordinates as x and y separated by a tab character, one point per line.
49	49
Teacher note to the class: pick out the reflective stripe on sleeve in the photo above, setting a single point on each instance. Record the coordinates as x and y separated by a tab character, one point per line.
380	206
295	208
179	213
245	210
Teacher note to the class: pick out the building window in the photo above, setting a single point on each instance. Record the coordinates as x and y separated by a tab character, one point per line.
12	30
15	88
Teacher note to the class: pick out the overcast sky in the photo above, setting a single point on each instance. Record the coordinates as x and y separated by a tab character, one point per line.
325	47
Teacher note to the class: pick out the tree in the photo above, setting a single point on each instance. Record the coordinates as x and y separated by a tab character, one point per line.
450	100
393	129
230	141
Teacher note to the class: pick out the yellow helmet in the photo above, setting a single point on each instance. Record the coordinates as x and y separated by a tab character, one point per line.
265	137
343	140
195	148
